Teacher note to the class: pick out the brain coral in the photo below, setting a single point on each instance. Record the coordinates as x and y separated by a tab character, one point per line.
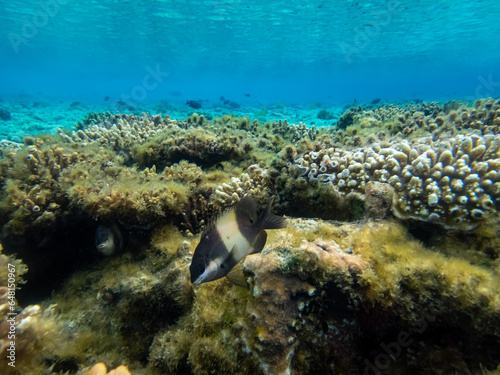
455	182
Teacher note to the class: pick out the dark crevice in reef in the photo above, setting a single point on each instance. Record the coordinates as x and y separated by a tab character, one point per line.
428	233
52	255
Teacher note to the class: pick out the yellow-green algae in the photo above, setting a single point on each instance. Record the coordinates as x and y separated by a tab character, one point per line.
401	279
310	307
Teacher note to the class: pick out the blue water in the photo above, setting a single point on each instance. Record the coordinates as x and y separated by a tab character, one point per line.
288	51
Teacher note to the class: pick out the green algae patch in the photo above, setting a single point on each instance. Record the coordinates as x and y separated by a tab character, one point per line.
407	277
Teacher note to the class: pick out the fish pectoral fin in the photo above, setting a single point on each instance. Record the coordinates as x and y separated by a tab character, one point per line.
260	242
270	220
237	277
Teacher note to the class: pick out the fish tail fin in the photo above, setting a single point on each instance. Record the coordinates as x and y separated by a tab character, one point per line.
270	220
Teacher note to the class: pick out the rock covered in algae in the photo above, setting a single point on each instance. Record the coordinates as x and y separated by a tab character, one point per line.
326	299
321	298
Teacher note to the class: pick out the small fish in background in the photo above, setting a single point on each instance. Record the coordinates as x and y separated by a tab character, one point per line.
106	98
230	103
231	237
109	239
247	95
122	105
375	101
74	104
193	104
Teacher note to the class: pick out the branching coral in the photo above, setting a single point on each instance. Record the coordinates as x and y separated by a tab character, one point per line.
453	182
361	126
33	194
256	183
120	132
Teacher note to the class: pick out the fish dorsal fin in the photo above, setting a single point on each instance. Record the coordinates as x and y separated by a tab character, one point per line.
246	209
260	242
237	277
212	223
270	220
210	227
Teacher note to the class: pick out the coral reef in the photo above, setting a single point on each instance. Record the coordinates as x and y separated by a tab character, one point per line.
32	195
362	126
454	182
256	183
293	133
6	146
325	115
409	285
120	132
94	118
195	145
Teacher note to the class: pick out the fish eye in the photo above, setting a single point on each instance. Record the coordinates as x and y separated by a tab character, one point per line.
251	221
201	270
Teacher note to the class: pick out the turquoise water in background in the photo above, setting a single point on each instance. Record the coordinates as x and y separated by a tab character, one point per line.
275	51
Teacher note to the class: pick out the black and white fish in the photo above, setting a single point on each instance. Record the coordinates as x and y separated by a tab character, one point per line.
235	234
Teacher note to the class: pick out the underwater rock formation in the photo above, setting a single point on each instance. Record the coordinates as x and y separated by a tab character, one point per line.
328	301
